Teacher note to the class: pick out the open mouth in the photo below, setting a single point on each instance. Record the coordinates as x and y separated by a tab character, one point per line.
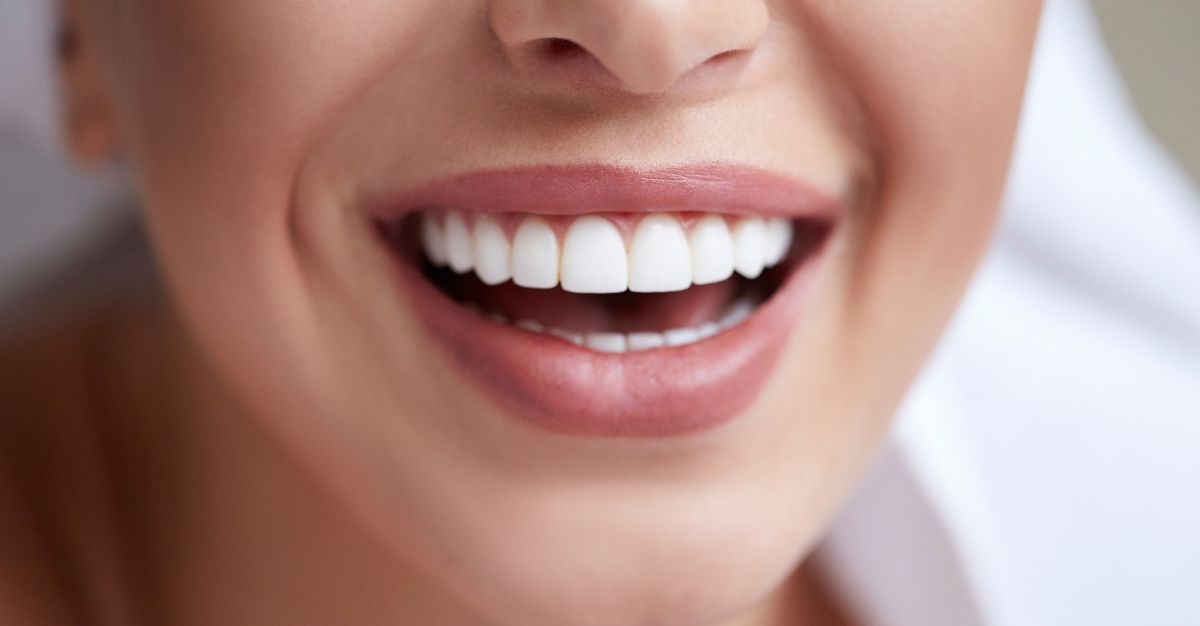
612	283
626	314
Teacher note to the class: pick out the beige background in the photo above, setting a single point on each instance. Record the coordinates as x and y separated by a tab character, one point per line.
1156	44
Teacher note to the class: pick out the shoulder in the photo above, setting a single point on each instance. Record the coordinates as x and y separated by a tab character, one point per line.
29	593
71	334
56	342
64	383
42	384
43	372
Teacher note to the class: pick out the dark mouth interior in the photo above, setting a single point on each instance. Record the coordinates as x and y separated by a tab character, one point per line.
619	312
626	312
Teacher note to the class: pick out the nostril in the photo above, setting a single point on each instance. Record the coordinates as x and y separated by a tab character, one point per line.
557	48
728	55
725	62
564	59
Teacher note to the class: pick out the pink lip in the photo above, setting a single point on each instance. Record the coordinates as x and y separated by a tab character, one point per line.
577	189
563	388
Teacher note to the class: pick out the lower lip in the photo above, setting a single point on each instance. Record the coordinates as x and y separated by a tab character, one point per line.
559	387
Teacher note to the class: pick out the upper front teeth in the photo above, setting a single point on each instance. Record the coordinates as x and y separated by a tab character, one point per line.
712	250
458	243
492	251
594	257
660	258
534	254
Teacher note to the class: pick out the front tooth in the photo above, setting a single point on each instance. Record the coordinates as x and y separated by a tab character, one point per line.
737	313
605	342
458	243
708	329
779	240
593	257
681	336
659	256
567	335
535	255
645	341
433	240
712	251
492	252
749	244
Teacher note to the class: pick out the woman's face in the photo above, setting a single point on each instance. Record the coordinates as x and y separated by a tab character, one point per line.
298	160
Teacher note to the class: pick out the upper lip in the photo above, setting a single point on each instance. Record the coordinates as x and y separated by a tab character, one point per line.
579	189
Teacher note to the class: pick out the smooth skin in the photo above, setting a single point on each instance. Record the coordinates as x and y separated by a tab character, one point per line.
287	445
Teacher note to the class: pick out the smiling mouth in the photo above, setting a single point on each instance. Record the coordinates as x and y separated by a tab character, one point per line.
604	301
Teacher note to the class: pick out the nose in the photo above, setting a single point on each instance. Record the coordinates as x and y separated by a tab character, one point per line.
643	46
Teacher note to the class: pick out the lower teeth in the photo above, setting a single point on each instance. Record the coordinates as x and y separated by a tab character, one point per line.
612	342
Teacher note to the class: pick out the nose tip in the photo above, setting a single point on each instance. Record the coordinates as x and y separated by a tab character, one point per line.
642	46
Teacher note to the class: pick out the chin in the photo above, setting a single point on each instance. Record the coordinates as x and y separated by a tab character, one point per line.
660	559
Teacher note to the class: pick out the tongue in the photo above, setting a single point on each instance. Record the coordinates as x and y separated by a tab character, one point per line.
622	312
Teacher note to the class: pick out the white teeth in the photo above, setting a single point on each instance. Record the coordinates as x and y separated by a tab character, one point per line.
645	341
492	252
535	255
593	258
532	326
737	313
749	243
606	342
433	239
458	243
619	343
779	240
682	336
572	337
712	251
708	330
659	256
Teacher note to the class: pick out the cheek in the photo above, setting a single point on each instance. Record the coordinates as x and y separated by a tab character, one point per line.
940	85
220	101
